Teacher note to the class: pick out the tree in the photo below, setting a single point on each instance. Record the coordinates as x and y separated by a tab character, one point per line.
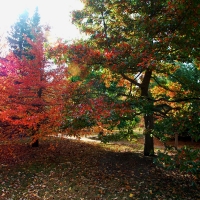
31	93
35	21
153	36
182	85
24	27
95	91
25	35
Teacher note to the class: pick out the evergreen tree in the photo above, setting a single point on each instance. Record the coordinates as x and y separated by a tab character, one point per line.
35	21
24	27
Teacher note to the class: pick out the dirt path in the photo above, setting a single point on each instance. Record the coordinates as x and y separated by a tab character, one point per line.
157	143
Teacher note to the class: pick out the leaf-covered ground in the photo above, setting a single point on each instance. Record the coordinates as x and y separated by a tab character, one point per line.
70	169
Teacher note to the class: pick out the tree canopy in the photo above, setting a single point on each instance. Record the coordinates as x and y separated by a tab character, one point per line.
140	44
31	86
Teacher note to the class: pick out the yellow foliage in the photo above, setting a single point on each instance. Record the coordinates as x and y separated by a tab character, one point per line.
74	69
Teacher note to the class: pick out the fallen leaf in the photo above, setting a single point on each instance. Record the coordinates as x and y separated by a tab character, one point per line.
131	195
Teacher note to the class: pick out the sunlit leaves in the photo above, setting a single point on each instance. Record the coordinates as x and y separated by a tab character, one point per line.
32	92
137	48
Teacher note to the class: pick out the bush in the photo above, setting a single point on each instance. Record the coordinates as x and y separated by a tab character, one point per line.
125	132
127	135
185	159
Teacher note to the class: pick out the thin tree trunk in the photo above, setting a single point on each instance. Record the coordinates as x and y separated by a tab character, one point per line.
36	142
176	140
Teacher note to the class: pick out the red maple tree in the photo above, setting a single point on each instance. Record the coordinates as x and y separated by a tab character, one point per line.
31	91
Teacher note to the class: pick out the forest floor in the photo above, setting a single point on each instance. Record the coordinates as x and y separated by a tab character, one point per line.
62	168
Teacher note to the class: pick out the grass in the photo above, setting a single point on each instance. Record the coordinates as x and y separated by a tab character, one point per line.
70	169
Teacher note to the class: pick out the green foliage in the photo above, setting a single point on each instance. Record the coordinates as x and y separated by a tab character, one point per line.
185	159
78	123
188	76
24	27
75	78
128	124
185	120
184	123
120	136
35	21
126	131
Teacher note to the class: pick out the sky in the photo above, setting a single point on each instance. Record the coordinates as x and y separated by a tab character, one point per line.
55	13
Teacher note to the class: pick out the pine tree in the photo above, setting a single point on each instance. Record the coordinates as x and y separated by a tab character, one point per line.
22	29
35	21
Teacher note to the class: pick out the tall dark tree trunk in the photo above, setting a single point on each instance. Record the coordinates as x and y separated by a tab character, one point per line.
148	117
148	145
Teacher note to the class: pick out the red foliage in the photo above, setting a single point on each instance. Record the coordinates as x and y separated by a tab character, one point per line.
31	93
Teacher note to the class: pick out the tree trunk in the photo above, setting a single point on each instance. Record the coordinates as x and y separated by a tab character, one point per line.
35	140
148	145
148	117
35	143
176	140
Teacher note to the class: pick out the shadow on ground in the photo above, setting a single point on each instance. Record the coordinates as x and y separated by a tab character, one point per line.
71	169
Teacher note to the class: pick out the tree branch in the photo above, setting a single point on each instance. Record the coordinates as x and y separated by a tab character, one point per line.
162	86
133	81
